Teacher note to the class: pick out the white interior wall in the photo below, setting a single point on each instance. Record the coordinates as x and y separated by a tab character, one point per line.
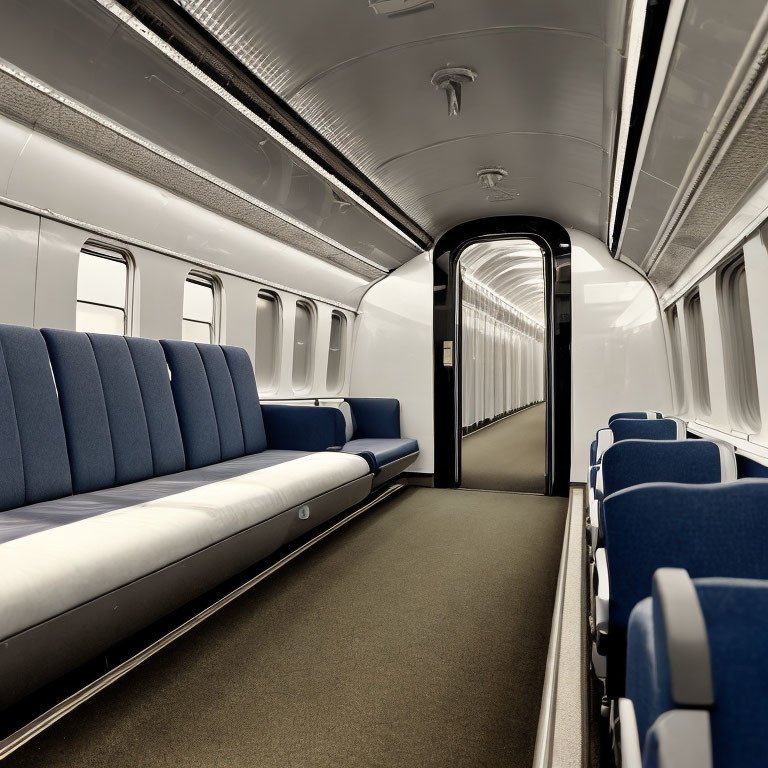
392	351
42	173
38	286
618	352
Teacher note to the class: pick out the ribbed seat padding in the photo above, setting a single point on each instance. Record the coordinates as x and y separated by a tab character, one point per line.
81	398
34	449
216	399
110	407
251	418
125	409
157	399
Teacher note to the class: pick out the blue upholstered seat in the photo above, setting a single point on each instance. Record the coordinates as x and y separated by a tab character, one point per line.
384	450
115	475
635	415
710	530
735	613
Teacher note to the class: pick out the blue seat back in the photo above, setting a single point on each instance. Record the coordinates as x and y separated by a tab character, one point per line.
646	429
33	448
634	415
710	530
736	616
633	462
217	404
108	403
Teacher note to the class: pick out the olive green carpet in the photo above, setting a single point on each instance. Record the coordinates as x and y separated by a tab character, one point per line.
415	636
508	455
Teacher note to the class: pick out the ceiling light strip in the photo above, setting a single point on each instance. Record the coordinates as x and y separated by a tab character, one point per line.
666	49
128	18
482	288
632	61
177	160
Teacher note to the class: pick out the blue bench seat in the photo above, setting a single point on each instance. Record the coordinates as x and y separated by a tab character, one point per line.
126	492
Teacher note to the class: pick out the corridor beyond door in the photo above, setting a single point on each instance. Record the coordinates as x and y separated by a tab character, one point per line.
503	367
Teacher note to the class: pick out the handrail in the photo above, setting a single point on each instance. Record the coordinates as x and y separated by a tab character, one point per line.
542	756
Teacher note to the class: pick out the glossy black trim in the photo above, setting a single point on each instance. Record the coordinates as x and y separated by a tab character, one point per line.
653	31
189	38
556	244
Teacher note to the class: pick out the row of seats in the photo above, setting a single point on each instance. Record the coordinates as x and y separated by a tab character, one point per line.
659	500
139	474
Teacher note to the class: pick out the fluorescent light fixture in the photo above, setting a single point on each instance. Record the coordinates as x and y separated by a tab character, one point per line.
634	44
482	288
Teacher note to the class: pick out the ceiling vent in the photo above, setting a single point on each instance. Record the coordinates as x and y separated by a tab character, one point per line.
490	177
450	79
395	8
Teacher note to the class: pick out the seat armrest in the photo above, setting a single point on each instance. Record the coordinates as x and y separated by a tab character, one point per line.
375	417
301	428
602	590
626	735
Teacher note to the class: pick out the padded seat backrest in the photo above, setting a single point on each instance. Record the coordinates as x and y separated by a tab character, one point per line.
633	462
736	617
710	530
33	449
637	429
634	415
108	408
216	400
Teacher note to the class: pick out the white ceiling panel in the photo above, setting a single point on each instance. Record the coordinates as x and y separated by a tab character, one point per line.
542	107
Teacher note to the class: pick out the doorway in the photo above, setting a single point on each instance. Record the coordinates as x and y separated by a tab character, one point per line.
554	243
503	370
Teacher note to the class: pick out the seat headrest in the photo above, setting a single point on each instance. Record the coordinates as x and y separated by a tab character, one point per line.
634	415
634	462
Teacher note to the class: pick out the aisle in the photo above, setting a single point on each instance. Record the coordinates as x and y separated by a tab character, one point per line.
416	636
508	455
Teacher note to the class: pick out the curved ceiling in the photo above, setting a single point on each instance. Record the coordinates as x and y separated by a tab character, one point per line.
542	107
511	269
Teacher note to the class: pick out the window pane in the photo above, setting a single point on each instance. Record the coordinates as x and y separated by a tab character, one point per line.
102	280
267	342
198	300
98	319
741	376
677	357
192	330
302	346
698	355
335	376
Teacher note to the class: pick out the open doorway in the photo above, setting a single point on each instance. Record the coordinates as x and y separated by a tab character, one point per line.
503	366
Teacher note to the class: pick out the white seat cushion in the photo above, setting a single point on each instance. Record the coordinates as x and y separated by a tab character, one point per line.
54	570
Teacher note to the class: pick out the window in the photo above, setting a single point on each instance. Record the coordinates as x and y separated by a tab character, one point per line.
268	337
736	324
697	352
199	313
676	351
336	357
102	290
302	346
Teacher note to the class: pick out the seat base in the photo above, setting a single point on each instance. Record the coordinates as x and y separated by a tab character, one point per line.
39	655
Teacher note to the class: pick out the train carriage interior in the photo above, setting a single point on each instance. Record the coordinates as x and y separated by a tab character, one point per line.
382	383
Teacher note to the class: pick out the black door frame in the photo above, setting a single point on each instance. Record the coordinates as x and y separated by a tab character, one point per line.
556	245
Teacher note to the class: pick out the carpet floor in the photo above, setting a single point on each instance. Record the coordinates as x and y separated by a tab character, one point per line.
415	636
509	455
